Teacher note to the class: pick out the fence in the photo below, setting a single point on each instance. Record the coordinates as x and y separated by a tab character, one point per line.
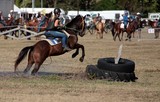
19	30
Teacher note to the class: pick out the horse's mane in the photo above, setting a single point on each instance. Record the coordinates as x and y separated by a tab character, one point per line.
74	21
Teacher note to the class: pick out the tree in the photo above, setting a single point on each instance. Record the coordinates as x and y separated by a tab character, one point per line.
158	6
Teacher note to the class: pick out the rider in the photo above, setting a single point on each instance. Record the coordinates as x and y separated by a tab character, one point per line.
99	18
2	19
54	28
125	20
43	19
138	18
88	20
10	15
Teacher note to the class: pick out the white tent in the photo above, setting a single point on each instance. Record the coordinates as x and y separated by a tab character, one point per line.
36	10
16	9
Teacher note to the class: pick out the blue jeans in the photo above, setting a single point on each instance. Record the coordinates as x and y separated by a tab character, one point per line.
40	25
125	24
58	34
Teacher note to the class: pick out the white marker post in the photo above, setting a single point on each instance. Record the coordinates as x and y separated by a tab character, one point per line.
119	54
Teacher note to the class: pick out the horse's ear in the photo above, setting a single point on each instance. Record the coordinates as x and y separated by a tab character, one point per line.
84	17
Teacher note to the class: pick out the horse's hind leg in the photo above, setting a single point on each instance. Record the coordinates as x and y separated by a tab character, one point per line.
27	68
114	37
36	68
119	37
30	63
101	35
122	36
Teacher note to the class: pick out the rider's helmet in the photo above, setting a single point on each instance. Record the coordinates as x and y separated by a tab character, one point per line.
11	11
43	12
138	13
57	11
126	13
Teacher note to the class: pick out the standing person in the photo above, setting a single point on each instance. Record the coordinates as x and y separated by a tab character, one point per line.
158	23
54	28
125	20
138	19
43	20
2	21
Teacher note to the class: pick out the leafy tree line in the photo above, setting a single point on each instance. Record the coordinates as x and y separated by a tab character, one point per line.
134	6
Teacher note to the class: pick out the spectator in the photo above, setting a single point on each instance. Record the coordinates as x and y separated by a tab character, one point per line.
2	21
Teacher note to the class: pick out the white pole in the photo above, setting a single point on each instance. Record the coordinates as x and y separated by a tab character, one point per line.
41	3
119	54
33	5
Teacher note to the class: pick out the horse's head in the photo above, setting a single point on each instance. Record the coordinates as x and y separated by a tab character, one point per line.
10	22
135	24
18	21
77	24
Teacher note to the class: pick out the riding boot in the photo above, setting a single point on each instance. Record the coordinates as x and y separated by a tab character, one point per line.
125	27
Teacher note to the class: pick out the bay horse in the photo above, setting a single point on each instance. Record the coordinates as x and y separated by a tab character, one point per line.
33	25
132	27
42	49
8	23
18	22
117	30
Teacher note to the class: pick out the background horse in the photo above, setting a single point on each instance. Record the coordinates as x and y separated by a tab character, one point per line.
18	22
33	25
8	23
42	49
99	26
117	29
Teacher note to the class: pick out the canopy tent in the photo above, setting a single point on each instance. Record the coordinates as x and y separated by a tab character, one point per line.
16	9
36	10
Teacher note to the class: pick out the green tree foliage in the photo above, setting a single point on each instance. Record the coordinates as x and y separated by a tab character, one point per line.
158	6
134	6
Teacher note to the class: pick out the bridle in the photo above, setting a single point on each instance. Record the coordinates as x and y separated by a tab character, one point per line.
83	25
79	31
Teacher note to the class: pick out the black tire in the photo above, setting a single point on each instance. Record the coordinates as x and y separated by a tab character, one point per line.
124	65
94	73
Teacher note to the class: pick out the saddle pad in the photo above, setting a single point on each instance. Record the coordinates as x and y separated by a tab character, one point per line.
122	25
52	41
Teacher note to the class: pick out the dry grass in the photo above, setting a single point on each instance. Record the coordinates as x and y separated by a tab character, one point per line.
66	82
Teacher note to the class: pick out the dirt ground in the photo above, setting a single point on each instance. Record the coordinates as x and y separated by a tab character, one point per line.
62	78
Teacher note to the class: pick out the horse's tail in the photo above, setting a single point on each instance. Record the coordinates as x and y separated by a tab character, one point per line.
22	55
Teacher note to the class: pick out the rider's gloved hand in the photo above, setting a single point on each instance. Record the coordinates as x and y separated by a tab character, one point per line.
61	27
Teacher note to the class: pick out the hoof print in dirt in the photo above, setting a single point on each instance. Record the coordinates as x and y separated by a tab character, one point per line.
106	69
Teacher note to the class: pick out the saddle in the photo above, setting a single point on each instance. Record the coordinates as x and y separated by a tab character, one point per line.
53	42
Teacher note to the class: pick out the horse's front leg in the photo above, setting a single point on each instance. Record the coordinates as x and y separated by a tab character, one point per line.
122	35
77	46
76	53
115	35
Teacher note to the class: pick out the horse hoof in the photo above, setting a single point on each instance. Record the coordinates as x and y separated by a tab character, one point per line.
74	55
81	59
